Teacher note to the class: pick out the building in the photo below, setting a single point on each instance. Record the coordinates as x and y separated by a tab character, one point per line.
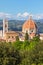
10	36
5	27
30	27
1	33
41	36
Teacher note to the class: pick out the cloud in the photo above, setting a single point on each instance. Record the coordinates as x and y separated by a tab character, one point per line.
19	15
5	15
24	15
39	16
27	15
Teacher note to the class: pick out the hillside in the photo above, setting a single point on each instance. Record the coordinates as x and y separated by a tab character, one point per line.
16	25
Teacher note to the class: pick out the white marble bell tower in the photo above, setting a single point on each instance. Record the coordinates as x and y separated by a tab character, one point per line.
5	26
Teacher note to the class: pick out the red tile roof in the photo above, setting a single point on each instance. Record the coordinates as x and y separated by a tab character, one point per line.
29	24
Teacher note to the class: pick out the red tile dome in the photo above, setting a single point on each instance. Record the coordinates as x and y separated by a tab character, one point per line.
29	24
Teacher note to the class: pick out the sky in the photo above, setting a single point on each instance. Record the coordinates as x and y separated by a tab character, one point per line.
21	9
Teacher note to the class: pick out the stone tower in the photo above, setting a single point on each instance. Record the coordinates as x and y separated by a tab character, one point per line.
5	26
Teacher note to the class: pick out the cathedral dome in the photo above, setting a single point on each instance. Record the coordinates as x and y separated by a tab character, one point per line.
29	24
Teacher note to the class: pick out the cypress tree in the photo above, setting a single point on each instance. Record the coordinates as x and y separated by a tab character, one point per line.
26	36
17	38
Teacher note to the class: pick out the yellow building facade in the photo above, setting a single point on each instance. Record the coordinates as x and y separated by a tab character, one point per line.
10	36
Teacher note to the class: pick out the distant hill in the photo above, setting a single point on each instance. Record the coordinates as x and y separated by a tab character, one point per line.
16	25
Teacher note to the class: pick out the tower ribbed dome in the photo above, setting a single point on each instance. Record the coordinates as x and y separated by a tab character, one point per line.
29	24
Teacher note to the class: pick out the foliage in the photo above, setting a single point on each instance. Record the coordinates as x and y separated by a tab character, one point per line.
22	53
36	55
8	55
36	38
17	38
26	36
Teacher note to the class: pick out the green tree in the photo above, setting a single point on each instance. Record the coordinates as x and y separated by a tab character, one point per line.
8	55
36	54
17	38
26	36
21	53
17	45
36	38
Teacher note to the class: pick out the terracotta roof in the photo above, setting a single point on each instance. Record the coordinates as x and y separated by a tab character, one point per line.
2	40
29	24
11	33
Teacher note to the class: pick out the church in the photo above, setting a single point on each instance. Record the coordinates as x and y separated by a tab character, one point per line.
29	26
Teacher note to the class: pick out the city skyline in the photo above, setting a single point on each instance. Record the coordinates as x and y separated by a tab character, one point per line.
21	9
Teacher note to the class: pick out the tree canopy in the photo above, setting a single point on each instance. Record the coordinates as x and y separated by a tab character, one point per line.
22	53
